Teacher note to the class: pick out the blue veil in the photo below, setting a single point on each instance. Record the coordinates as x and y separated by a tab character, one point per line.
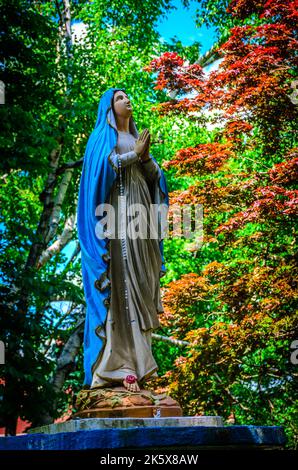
98	176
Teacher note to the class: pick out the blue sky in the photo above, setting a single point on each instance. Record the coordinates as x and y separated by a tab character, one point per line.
181	23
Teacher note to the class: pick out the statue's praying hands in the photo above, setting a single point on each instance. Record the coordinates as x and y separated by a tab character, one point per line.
142	145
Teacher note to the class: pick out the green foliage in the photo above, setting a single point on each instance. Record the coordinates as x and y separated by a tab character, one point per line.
165	355
52	90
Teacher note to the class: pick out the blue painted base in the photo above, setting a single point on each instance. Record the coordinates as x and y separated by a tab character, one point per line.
191	437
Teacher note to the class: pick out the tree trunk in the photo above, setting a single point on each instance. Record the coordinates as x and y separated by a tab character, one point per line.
39	242
65	364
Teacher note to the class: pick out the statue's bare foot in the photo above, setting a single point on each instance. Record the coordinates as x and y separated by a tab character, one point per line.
131	384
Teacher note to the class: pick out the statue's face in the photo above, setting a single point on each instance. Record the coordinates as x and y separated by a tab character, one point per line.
122	105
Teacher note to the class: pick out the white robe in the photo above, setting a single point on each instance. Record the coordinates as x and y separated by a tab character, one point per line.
127	333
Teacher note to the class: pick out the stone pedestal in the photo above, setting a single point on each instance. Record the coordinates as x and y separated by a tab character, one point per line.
118	402
148	434
79	424
154	425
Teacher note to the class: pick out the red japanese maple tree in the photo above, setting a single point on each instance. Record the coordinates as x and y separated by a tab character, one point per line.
237	310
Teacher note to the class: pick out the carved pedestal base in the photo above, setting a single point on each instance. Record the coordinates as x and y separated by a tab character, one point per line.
118	402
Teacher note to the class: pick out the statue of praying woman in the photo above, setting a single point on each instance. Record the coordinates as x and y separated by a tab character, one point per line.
121	275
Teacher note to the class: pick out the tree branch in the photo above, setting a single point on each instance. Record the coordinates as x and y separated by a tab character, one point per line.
69	165
65	361
47	199
60	243
55	217
75	253
176	342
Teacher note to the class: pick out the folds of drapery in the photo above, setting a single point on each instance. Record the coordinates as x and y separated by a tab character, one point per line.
98	176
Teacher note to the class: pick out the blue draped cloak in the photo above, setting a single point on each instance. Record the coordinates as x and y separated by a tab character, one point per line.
98	176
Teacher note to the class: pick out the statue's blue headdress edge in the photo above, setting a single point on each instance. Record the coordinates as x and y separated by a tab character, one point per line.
98	175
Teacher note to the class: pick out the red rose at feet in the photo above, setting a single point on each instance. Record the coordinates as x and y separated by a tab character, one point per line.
130	379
